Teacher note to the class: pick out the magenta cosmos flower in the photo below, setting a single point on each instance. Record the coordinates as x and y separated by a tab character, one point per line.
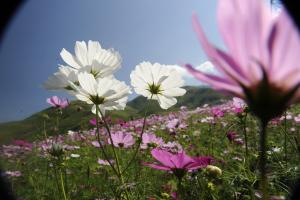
178	163
261	65
58	102
121	139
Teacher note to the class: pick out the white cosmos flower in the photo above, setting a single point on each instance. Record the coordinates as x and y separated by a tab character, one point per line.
158	82
93	59
61	79
107	93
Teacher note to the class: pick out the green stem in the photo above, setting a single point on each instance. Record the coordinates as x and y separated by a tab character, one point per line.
285	139
112	143
101	146
56	179
243	120
120	175
263	160
62	185
211	140
140	141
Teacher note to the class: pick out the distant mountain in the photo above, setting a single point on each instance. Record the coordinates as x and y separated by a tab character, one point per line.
78	114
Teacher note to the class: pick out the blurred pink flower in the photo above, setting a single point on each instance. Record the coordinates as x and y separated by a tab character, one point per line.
150	139
217	112
23	143
93	121
262	53
58	102
13	173
122	139
104	162
238	105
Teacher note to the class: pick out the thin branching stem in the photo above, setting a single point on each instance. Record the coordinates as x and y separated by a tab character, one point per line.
140	141
100	144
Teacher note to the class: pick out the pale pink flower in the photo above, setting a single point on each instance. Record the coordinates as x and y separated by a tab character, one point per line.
238	105
104	162
57	102
150	139
261	65
121	139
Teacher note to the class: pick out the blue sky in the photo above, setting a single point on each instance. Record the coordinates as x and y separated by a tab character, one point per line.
141	30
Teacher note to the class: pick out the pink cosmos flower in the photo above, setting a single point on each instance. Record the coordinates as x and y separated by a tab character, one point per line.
262	53
58	102
217	112
238	105
121	139
150	139
178	163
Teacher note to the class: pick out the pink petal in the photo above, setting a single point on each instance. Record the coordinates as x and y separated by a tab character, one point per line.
159	167
284	46
244	33
216	82
181	160
163	157
220	59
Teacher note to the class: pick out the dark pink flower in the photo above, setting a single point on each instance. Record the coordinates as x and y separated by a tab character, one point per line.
231	135
58	102
93	121
262	51
23	143
217	112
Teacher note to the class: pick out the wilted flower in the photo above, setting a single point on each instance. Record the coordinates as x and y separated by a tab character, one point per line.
259	58
158	82
58	102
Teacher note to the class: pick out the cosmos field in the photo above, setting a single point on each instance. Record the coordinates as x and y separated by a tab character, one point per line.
246	147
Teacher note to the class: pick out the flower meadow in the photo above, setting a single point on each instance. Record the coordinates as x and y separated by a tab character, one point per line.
245	148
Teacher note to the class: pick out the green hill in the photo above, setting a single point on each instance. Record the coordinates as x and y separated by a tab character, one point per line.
78	114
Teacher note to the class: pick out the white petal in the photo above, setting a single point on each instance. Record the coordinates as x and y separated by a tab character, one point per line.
69	59
88	83
93	48
166	102
174	92
81	52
